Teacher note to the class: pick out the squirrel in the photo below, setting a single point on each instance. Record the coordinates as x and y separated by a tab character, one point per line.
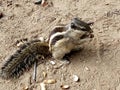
62	40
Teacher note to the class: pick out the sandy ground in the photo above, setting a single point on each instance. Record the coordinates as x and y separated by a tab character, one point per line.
97	65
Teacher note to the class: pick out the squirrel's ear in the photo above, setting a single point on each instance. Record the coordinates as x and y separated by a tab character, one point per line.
90	23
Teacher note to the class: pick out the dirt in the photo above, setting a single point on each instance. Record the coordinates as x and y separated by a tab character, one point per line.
97	65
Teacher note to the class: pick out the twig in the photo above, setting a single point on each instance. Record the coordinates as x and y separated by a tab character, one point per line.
35	71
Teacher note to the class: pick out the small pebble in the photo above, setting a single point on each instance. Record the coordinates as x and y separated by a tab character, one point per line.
75	78
52	62
41	39
87	69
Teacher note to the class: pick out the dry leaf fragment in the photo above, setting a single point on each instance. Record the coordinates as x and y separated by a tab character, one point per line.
50	81
65	86
44	74
26	88
44	3
43	87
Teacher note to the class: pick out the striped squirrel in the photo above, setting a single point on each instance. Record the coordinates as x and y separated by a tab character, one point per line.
62	40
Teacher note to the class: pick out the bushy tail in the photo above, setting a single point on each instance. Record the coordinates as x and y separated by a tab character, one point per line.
24	58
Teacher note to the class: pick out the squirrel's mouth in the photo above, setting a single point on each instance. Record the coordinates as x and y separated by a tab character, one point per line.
87	35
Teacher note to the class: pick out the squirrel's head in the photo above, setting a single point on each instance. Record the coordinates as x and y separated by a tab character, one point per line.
78	24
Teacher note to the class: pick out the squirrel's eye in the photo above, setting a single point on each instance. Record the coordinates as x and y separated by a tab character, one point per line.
73	25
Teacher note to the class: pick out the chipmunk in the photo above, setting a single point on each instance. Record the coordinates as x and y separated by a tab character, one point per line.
62	40
65	39
63	43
